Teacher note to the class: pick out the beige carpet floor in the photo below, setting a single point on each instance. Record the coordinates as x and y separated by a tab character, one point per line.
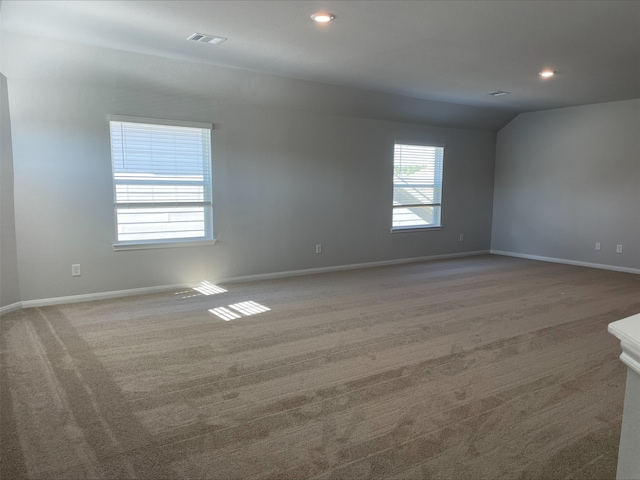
483	367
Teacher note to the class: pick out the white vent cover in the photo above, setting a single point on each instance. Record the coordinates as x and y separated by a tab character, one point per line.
204	38
498	93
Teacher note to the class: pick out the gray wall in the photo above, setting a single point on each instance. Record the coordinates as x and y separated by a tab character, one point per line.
568	178
9	286
285	178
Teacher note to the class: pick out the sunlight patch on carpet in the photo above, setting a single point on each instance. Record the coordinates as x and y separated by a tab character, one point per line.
224	313
249	308
241	309
205	288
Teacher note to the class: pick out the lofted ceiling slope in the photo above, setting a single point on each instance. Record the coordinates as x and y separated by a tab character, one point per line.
429	51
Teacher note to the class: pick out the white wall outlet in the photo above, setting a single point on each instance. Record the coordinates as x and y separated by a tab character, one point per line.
597	245
75	270
319	248
618	248
462	237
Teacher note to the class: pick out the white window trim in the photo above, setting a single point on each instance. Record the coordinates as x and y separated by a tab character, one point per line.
160	243
160	121
123	246
419	228
416	229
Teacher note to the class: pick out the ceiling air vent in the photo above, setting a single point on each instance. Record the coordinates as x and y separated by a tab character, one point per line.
203	38
498	93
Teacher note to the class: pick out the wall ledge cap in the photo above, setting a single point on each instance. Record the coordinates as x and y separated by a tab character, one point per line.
627	331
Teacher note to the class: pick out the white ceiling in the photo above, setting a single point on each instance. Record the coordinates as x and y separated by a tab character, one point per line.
451	51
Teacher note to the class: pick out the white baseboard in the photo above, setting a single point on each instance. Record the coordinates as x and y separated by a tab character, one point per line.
45	302
293	273
10	308
353	266
615	268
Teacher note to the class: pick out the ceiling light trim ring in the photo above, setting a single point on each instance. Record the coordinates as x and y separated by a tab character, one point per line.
323	17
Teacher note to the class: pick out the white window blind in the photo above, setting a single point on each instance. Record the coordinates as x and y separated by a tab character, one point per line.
161	181
417	186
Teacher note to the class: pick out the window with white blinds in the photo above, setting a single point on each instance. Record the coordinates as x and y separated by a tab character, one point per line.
417	186
161	180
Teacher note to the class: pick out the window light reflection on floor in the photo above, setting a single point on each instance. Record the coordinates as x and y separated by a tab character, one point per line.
241	309
249	308
225	314
204	288
207	288
187	294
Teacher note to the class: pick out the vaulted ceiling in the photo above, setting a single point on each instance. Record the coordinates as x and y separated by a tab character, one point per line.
443	51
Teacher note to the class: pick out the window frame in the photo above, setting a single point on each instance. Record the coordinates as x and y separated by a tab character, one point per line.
207	202
438	175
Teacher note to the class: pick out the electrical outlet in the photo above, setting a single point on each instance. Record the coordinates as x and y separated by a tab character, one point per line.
319	248
597	245
618	248
75	270
462	237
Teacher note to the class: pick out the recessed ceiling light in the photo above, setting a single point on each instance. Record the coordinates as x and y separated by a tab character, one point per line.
322	17
204	38
546	73
498	93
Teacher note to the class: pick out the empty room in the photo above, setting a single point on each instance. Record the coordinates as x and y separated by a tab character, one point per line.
319	239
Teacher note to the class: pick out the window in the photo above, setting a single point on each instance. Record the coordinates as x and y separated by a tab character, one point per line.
161	180
417	186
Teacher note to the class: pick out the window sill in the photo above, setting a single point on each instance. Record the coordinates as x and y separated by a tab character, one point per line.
416	229
117	247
